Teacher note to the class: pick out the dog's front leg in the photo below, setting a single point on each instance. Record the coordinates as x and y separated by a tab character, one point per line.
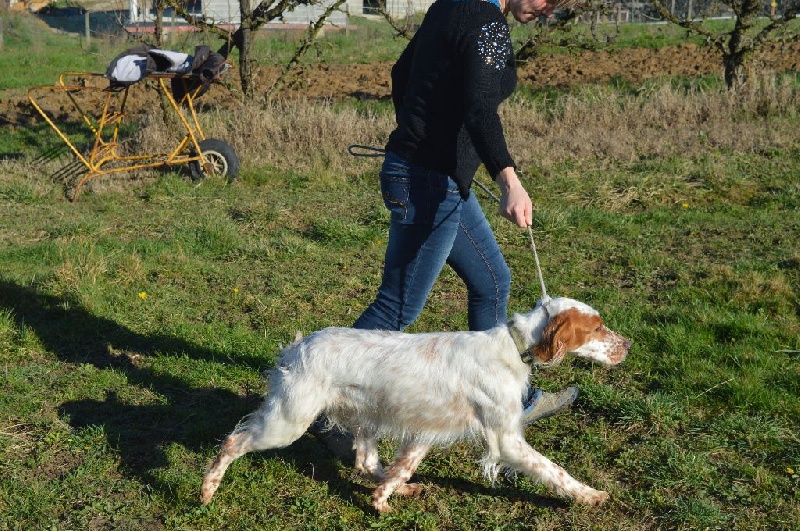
405	464
518	454
367	459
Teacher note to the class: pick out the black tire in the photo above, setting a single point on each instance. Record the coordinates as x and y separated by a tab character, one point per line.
220	159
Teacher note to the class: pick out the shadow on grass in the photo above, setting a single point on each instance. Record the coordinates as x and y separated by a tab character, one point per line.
190	416
305	457
507	493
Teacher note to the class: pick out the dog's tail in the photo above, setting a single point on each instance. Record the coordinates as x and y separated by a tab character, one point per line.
298	337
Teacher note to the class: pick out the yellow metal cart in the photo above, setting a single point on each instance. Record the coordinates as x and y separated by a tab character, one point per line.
204	156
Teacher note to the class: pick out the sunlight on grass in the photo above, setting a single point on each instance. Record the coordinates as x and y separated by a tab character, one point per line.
136	323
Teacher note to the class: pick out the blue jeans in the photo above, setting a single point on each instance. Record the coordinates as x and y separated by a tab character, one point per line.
430	226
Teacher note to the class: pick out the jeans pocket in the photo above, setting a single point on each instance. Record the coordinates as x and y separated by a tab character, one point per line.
396	186
396	196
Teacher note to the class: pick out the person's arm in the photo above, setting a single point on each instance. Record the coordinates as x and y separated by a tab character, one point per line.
485	58
401	72
485	54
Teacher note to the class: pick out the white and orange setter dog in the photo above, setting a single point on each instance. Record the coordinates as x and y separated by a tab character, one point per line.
424	389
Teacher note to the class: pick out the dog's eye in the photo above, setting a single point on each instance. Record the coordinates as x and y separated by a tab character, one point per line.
598	329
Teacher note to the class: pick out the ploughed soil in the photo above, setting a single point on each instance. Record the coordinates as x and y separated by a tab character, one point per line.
563	70
372	81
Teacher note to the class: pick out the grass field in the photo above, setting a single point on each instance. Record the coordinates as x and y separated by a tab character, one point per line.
135	323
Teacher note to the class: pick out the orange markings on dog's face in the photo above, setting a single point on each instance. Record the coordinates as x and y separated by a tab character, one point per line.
571	330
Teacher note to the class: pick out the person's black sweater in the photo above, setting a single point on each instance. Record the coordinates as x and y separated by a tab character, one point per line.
447	86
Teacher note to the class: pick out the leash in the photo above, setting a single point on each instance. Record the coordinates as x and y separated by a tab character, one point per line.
545	296
358	150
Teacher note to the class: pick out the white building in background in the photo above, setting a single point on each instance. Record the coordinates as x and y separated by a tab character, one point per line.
227	11
396	8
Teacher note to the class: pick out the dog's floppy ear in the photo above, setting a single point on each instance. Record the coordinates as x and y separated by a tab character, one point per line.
553	346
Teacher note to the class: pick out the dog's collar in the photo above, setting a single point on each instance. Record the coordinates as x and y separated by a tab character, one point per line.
524	349
522	346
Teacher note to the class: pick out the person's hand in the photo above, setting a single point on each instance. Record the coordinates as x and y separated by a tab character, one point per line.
515	203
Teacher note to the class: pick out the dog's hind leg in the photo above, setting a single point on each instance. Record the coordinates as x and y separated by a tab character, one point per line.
408	458
235	446
517	453
275	425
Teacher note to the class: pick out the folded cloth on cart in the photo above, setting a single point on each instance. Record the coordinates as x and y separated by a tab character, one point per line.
134	64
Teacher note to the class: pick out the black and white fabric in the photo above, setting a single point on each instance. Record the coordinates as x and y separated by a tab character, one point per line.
134	64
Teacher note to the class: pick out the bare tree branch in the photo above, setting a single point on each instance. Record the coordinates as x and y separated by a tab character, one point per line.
791	10
262	14
198	22
308	42
406	31
738	44
530	48
713	38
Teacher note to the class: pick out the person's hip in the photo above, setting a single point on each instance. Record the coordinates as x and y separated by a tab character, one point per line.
415	194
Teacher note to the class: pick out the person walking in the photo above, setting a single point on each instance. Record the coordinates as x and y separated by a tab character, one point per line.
447	86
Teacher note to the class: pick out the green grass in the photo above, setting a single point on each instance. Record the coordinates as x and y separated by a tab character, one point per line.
36	55
135	325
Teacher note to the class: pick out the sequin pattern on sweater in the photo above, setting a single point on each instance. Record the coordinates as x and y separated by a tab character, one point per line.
494	44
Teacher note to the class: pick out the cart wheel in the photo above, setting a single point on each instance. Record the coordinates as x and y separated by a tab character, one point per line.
220	159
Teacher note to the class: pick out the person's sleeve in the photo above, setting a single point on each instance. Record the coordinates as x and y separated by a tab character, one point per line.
486	54
401	72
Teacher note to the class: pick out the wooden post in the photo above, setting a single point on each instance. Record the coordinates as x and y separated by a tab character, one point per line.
87	27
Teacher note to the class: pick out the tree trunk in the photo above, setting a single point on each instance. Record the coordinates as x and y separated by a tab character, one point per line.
159	29
738	52
734	69
246	62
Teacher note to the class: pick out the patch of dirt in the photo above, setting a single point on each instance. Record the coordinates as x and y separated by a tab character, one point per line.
563	71
372	81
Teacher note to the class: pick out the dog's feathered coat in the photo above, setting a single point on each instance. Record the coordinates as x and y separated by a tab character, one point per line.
423	389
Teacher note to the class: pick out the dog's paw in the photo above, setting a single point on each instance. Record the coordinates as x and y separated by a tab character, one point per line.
594	497
409	489
207	492
382	507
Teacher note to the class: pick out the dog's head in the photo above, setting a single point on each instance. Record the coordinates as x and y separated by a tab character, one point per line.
577	328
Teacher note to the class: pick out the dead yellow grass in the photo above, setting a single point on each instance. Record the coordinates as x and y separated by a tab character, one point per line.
594	124
664	121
